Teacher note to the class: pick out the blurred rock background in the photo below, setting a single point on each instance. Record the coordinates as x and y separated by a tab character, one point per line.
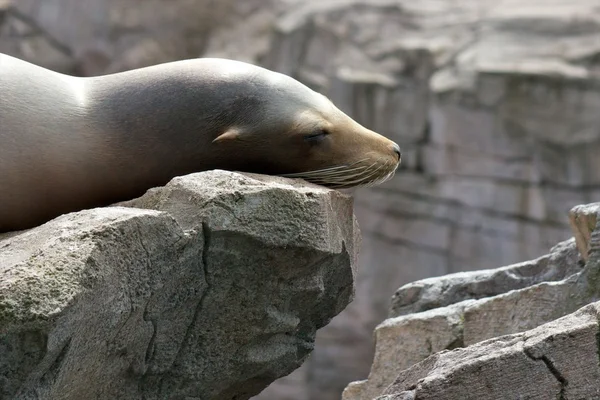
496	105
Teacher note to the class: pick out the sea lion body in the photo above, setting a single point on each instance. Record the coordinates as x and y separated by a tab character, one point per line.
69	143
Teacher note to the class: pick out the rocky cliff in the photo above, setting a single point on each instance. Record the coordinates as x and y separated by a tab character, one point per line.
494	104
208	288
491	334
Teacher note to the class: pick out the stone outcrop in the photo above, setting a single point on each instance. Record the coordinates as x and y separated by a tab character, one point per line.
563	261
558	360
208	288
509	327
494	104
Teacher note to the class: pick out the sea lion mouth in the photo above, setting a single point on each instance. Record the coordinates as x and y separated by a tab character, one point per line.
362	173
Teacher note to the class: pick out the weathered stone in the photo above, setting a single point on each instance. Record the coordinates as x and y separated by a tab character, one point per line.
214	298
408	339
405	341
584	220
562	262
556	360
463	309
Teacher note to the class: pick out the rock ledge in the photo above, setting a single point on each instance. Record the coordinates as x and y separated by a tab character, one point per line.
212	292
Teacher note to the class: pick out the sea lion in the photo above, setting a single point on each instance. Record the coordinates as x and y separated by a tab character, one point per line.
69	143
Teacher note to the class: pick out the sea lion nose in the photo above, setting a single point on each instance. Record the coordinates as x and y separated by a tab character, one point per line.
396	149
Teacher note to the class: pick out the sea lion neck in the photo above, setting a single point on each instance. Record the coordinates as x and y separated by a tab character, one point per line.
155	112
170	100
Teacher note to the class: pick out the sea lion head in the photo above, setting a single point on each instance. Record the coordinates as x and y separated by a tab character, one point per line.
282	127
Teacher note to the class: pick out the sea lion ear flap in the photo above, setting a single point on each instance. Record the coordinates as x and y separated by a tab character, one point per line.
229	134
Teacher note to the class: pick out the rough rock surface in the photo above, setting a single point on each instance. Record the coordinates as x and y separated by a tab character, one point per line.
583	220
558	360
212	295
563	261
428	318
494	104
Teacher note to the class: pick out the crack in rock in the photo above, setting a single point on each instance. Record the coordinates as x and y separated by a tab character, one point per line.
598	339
553	370
563	381
200	305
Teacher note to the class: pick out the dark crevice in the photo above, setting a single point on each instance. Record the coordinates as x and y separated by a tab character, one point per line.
164	385
207	242
458	343
206	233
563	381
554	371
56	365
149	353
150	348
598	339
145	316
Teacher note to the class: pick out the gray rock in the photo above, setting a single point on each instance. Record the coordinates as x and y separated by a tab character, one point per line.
464	309
562	262
408	339
558	360
584	221
213	298
404	341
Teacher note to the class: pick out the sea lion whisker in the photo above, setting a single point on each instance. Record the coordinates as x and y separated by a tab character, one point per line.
325	174
348	174
355	179
368	176
330	173
343	167
380	180
386	177
337	167
373	173
372	169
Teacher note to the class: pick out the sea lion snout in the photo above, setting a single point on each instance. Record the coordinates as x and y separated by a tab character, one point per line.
386	150
396	149
350	155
